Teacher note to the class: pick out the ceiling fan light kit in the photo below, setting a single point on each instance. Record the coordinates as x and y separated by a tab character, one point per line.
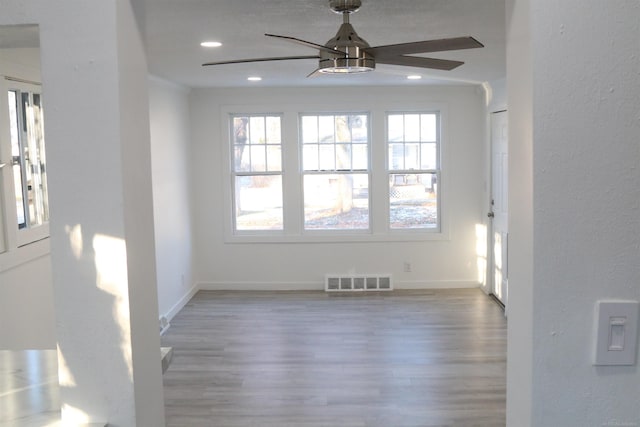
348	53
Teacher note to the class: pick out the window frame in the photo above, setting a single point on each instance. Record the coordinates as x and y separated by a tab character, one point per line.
335	171
293	212
14	237
234	173
437	171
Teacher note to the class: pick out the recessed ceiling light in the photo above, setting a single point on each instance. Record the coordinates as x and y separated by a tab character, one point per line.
414	77
254	78
210	44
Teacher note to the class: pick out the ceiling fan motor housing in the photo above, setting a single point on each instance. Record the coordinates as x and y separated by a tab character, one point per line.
350	56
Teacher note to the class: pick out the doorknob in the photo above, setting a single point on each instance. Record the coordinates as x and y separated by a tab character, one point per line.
491	215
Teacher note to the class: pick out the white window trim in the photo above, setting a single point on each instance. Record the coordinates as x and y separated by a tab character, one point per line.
232	173
368	172
13	237
292	183
438	171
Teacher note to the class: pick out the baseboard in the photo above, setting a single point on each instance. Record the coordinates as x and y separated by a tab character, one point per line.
180	304
261	286
319	286
437	284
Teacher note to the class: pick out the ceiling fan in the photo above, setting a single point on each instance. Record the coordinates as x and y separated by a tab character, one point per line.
346	52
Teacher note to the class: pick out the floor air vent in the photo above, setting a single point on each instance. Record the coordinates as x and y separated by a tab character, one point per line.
357	283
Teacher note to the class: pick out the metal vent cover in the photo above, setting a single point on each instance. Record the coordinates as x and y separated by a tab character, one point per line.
357	283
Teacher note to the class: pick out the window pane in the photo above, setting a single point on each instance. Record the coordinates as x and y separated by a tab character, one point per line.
242	158
258	158
336	202
327	157
310	158
35	162
396	127
257	130
428	127
413	201
274	158
258	202
412	127
343	131
360	157
396	156
273	130
309	129
17	159
240	130
359	128
20	207
343	156
411	156
326	128
428	156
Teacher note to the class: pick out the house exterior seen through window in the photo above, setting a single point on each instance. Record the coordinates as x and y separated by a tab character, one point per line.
335	164
414	170
257	172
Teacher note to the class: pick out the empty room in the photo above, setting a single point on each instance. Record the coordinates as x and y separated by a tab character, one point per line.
319	213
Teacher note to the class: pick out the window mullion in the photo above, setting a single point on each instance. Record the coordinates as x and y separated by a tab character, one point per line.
292	180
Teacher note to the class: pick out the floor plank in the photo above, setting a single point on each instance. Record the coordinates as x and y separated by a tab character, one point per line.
310	359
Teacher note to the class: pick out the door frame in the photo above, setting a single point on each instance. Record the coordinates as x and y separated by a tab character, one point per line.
490	272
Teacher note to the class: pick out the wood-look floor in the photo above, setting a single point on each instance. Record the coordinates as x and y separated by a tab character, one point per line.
309	359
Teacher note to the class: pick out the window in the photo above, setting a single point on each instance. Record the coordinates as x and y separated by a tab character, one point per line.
298	175
257	172
23	154
335	164
414	170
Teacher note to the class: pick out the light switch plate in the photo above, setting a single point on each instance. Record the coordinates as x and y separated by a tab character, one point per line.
617	332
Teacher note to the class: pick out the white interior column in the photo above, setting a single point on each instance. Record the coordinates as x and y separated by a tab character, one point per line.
104	274
574	187
519	107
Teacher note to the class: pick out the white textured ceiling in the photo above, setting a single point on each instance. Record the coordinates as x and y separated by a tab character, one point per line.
173	30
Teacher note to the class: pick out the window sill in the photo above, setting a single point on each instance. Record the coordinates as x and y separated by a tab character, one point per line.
336	237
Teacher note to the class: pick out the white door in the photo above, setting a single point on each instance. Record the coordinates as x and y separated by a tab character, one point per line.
499	204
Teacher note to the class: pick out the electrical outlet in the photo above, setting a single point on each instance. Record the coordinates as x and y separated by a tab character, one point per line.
407	267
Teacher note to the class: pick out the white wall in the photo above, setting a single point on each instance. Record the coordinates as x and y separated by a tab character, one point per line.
435	263
498	99
26	302
577	236
26	299
170	142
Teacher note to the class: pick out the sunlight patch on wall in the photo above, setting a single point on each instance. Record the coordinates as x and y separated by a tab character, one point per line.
65	377
481	253
111	277
75	239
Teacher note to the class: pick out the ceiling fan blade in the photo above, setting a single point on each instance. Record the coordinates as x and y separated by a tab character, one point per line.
306	43
314	73
416	61
426	46
275	58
